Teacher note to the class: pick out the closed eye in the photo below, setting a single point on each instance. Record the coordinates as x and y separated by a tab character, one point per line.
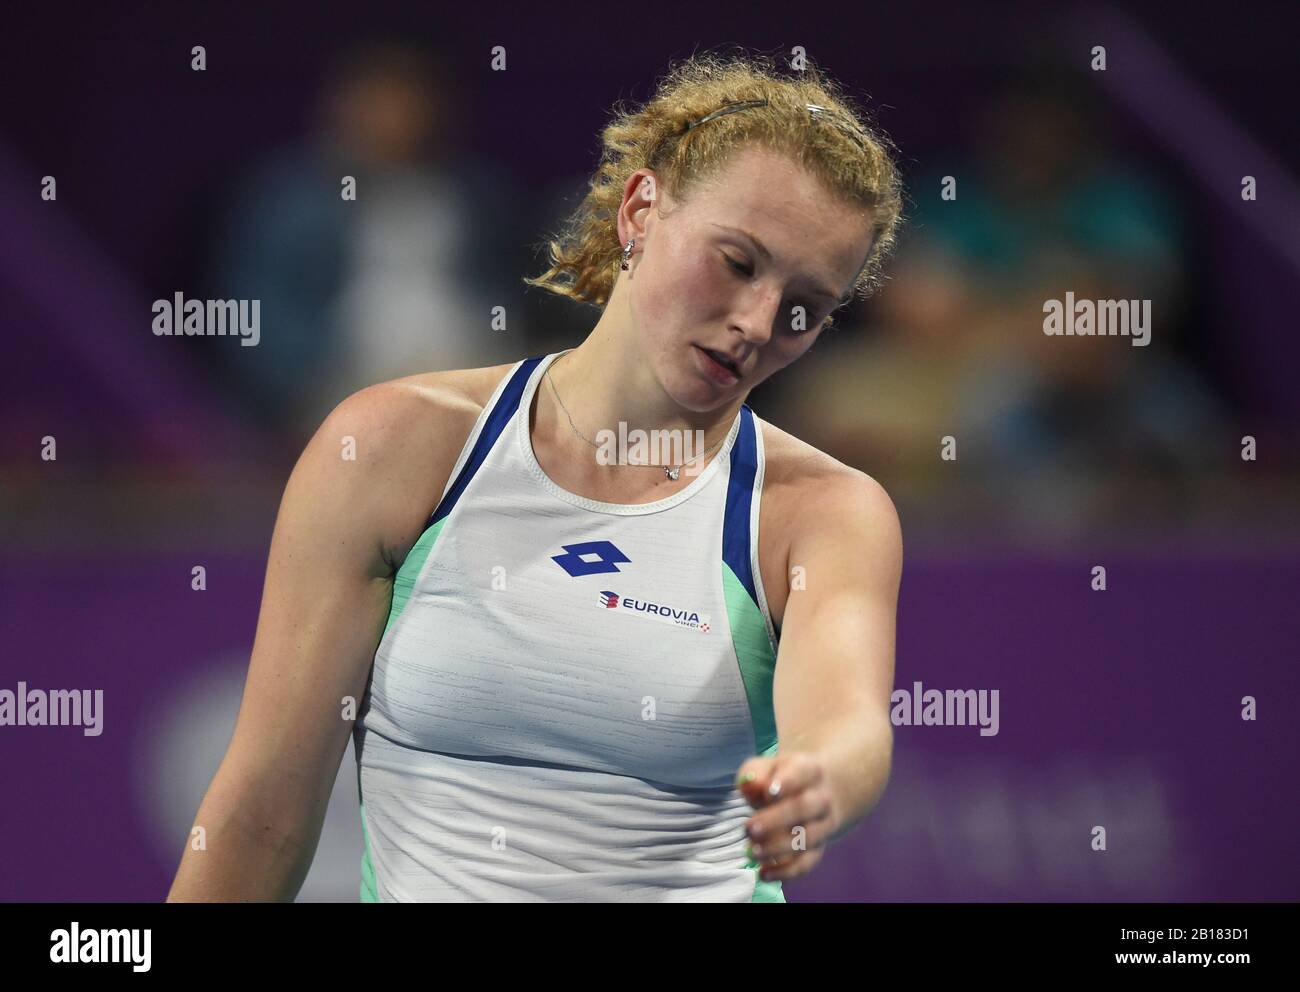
740	268
810	309
811	321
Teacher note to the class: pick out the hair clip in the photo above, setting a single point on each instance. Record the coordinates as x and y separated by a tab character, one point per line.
815	112
730	108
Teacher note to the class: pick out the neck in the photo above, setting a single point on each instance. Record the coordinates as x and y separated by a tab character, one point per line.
606	380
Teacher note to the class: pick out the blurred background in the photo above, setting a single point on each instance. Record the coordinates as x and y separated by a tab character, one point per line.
1120	708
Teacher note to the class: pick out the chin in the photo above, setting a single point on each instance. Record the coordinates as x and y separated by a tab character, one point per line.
690	393
700	404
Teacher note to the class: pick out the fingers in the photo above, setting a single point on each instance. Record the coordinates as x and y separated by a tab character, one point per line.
797	794
764	780
792	822
791	825
791	866
791	773
754	780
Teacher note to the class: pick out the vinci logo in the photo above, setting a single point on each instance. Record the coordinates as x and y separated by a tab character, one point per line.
590	558
654	611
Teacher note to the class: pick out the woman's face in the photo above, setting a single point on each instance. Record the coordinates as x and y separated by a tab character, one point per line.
726	271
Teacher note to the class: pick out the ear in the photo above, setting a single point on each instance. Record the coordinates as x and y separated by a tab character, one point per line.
641	195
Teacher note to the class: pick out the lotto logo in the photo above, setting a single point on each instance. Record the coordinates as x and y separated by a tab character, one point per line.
590	558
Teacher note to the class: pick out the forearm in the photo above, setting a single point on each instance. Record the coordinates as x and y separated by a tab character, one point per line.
243	854
855	755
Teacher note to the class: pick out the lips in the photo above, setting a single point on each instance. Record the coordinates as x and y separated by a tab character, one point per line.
722	360
717	366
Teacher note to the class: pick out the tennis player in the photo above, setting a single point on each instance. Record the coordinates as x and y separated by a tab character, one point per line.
577	666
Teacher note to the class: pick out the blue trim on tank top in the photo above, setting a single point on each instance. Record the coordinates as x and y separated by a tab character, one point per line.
502	413
740	493
740	488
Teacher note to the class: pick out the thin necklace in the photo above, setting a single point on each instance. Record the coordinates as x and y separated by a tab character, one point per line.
672	472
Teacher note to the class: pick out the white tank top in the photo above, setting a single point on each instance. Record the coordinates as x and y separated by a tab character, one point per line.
566	688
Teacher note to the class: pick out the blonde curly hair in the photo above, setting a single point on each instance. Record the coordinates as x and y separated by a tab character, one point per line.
851	158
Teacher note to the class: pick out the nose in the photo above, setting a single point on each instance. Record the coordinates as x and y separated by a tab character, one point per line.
759	311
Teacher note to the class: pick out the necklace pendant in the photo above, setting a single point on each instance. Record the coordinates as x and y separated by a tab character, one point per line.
672	473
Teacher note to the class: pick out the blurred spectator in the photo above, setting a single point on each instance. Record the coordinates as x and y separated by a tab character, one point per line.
956	343
400	280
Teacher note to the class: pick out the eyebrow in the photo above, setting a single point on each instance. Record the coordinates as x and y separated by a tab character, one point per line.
817	288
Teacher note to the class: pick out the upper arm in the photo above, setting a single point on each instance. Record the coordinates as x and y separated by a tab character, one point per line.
837	637
327	595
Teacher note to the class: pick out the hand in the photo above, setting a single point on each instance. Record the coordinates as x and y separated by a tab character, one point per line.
796	813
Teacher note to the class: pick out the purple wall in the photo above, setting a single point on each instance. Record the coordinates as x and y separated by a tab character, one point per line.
1118	708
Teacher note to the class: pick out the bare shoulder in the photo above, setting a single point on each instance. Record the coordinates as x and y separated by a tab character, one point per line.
474	385
405	436
814	504
415	421
797	475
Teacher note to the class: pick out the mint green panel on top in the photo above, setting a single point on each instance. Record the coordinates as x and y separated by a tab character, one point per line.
757	670
403	583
